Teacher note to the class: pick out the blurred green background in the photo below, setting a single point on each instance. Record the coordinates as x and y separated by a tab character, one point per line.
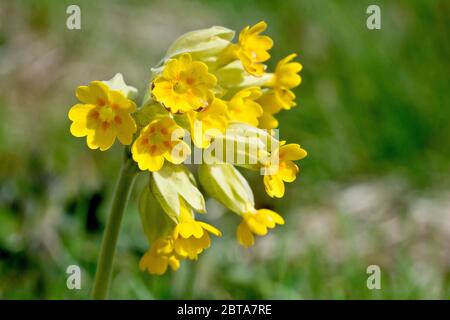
373	113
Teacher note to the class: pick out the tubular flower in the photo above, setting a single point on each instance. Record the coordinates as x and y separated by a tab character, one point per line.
256	223
252	48
184	85
243	108
159	140
159	257
103	116
190	236
285	78
285	171
208	123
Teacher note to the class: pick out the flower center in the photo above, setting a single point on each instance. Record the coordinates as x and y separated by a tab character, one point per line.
180	87
156	138
106	114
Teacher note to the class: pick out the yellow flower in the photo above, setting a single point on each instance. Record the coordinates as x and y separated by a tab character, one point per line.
159	140
159	257
285	171
252	48
103	116
191	237
270	106
256	222
285	78
243	108
208	123
184	85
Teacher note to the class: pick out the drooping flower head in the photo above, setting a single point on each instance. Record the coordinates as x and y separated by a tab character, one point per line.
158	141
220	92
103	115
184	85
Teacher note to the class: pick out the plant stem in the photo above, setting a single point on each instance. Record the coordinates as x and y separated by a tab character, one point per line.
110	235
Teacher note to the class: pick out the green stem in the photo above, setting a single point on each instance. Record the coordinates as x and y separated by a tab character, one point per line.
110	235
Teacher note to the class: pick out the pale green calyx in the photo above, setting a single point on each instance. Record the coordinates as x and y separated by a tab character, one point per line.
201	43
233	75
172	182
226	184
155	223
117	83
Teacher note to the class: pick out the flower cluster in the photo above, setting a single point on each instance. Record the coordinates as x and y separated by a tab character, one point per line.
205	85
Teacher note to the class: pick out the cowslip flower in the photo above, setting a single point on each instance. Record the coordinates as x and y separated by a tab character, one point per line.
286	77
158	141
252	48
230	188
220	94
184	85
256	222
159	257
208	123
285	170
242	106
190	236
103	116
270	107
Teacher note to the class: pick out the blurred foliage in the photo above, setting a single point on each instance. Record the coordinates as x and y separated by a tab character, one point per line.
373	114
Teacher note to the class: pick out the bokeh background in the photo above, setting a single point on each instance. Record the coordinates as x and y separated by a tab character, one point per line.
373	113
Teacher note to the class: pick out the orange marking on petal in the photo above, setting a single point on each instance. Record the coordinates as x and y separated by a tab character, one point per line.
105	125
94	114
167	144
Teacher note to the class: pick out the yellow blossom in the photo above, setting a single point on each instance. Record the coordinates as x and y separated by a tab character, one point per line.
103	115
256	223
190	236
243	108
270	106
159	257
252	48
184	85
285	171
159	140
208	123
285	78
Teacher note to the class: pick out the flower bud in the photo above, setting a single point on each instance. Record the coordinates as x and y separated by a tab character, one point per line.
234	76
117	83
201	43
